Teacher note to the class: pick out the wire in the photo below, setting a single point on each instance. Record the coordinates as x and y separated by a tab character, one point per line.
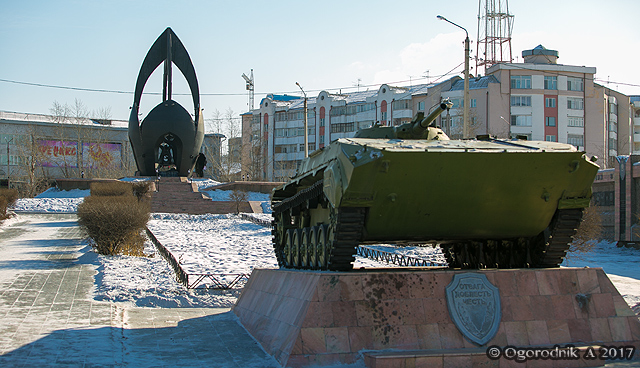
206	94
112	91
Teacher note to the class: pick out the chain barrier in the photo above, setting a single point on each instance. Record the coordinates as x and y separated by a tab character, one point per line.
395	258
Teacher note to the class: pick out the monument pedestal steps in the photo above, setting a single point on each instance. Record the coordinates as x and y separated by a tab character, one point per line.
178	195
400	318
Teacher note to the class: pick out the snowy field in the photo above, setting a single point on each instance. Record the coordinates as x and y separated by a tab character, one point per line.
226	244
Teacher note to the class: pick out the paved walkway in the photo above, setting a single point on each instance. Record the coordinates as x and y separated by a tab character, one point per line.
48	316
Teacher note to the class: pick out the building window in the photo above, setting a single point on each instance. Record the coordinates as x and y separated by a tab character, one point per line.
575	103
400	105
473	103
520	100
551	138
604	198
575	84
520	120
521	82
575	121
550	82
421	106
383	116
550	102
575	140
550	121
342	128
321	122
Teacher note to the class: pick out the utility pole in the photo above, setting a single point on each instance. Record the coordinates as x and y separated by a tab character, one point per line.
466	100
306	128
8	141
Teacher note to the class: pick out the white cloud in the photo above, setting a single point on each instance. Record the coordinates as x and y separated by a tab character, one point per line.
436	57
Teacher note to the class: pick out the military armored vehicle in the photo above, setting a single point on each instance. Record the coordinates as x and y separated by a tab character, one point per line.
488	203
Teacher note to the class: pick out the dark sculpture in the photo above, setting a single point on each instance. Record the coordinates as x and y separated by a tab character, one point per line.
168	140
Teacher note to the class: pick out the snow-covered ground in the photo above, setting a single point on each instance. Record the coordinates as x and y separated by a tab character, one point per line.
226	244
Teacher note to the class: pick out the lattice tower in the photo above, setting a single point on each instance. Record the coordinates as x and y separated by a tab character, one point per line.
494	34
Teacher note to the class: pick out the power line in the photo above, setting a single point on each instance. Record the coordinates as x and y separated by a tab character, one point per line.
201	94
110	90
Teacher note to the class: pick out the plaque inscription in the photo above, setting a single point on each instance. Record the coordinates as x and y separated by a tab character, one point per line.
474	306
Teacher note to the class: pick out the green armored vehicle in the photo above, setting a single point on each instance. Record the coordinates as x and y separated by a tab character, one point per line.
488	203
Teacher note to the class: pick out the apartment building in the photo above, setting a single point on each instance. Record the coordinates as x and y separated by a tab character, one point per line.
538	98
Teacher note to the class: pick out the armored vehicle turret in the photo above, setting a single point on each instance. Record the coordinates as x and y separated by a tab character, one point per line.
488	203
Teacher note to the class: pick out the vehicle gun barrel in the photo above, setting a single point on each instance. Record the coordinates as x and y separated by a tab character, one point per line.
420	125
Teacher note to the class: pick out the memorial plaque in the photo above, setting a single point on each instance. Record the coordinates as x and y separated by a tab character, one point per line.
474	306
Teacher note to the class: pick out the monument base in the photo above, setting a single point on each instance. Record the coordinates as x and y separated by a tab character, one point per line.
399	318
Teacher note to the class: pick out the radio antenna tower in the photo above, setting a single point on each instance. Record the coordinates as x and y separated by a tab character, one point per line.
494	34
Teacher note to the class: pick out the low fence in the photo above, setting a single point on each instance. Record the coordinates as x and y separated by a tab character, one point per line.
216	281
255	220
219	281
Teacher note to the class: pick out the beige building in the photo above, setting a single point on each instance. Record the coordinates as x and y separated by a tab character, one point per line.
539	99
38	147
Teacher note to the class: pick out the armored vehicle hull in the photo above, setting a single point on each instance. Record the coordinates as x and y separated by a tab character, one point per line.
488	203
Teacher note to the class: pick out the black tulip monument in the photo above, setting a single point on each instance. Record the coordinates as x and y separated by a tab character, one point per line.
168	140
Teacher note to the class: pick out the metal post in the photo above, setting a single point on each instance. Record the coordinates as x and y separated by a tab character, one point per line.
8	141
306	128
466	99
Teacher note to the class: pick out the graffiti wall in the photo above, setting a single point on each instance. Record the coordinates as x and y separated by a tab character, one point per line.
94	155
101	155
58	153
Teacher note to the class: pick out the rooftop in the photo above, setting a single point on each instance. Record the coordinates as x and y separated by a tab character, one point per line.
41	118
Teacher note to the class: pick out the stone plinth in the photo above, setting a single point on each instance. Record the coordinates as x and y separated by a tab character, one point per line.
400	318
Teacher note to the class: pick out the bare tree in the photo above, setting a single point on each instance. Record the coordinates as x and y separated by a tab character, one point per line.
59	112
30	174
103	113
256	149
79	111
228	125
238	197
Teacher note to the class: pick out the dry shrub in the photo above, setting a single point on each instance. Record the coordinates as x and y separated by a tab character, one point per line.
238	197
8	198
111	188
589	232
142	190
115	223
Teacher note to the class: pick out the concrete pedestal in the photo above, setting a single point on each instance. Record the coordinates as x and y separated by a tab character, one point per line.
400	318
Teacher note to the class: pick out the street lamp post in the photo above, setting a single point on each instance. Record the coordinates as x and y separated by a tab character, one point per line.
466	100
306	129
8	141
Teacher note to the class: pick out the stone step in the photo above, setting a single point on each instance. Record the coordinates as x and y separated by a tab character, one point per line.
178	195
200	208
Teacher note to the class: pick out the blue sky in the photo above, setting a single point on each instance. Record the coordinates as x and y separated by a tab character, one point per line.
322	45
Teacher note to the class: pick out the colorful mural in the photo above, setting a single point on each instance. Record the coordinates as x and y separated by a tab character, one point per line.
58	153
101	155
